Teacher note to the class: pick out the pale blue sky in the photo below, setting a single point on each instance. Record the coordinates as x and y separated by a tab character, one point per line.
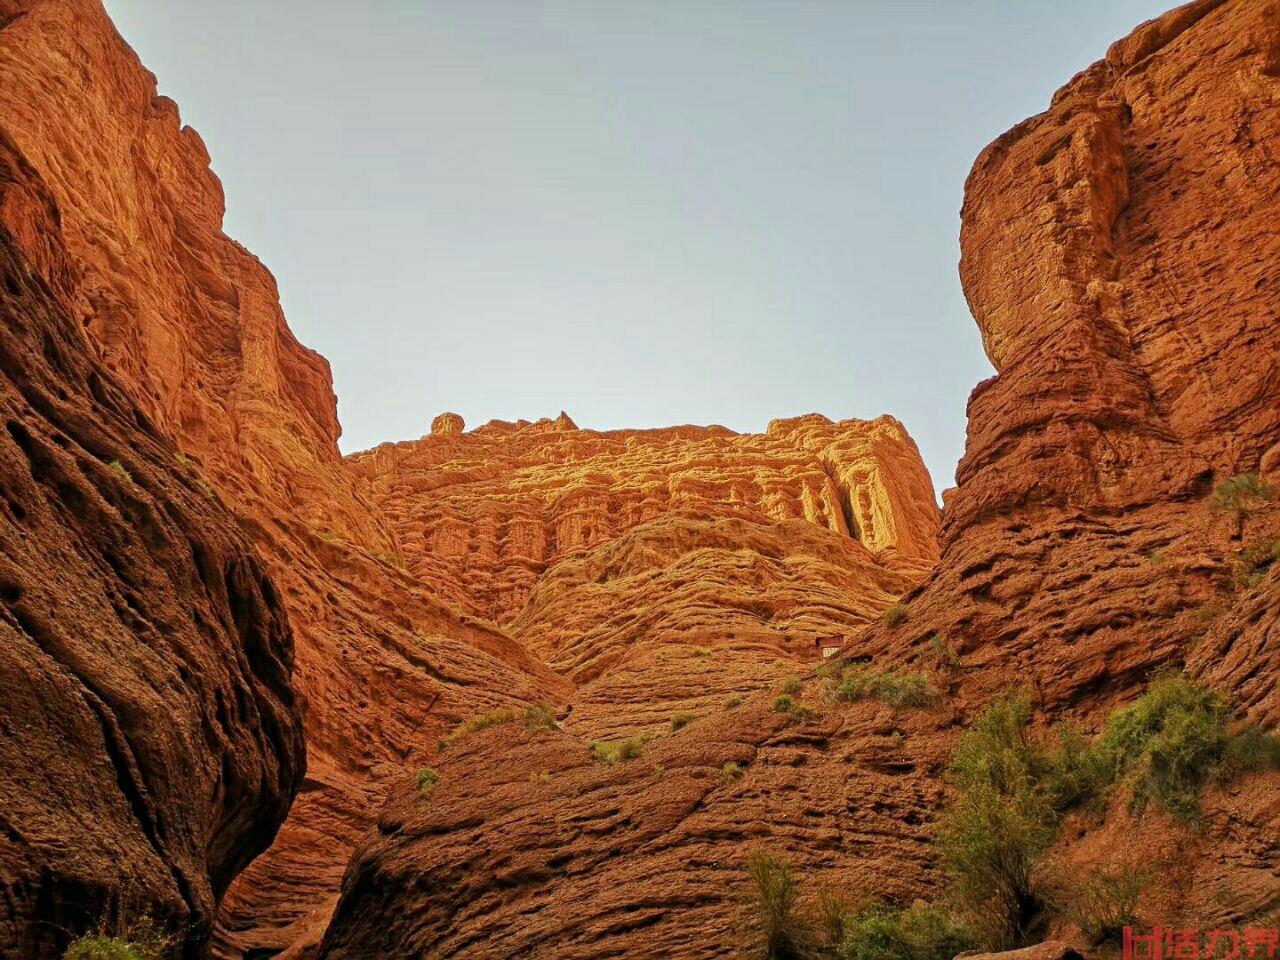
644	213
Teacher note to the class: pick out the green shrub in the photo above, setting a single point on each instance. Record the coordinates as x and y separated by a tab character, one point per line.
97	946
731	771
682	719
536	717
785	703
1001	822
777	893
898	689
834	908
137	938
541	776
894	614
792	686
1241	496
427	780
1103	903
1174	740
618	751
882	932
1253	561
732	702
121	470
944	653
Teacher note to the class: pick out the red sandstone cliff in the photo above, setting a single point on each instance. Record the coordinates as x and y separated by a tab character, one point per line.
190	323
150	743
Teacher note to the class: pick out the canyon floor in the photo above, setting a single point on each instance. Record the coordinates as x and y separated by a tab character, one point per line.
527	690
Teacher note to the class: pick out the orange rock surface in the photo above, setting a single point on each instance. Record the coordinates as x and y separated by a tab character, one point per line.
482	515
150	742
191	324
657	584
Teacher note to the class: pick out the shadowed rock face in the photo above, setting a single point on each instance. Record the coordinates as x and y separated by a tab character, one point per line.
150	744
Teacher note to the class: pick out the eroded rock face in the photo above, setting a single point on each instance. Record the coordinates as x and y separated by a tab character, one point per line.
189	323
150	743
1118	258
483	515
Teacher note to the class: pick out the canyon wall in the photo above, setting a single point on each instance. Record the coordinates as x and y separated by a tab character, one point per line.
189	323
659	590
1118	256
150	741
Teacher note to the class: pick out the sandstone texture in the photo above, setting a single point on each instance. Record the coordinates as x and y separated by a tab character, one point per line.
1118	256
150	742
662	588
483	515
189	323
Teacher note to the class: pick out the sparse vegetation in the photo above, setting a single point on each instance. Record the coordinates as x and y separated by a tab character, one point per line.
1251	565
427	780
702	652
883	932
1175	740
897	688
733	701
792	686
833	909
142	944
999	824
1103	903
541	776
121	470
618	751
1241	496
944	653
894	614
681	719
1014	787
777	894
535	718
390	559
786	703
731	771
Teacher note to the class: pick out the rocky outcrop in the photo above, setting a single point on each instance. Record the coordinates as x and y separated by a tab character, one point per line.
150	743
1117	256
483	515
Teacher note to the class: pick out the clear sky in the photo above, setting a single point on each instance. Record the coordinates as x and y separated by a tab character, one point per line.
643	212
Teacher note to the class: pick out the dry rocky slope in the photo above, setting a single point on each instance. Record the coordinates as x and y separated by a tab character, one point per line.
1119	256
